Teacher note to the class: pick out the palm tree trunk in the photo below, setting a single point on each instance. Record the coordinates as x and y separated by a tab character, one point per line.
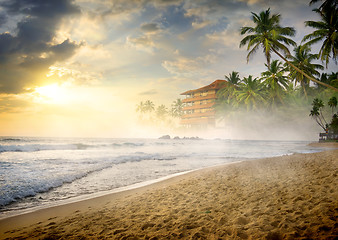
300	71
303	85
320	124
321	114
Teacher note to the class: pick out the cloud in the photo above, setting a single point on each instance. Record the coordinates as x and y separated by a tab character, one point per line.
149	92
10	103
74	75
26	56
150	27
144	43
188	67
3	19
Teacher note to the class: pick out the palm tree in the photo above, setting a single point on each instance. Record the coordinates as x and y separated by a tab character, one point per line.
149	106
275	81
176	108
233	78
316	113
269	35
294	97
326	31
140	107
333	79
227	93
161	112
332	103
303	60
325	4
251	93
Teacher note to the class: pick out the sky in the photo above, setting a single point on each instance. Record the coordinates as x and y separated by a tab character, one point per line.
78	68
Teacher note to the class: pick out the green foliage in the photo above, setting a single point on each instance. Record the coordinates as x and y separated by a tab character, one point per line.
251	93
303	60
326	31
317	113
334	123
176	108
161	112
267	34
275	82
159	116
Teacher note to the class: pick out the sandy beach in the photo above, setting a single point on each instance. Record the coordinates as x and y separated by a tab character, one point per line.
289	197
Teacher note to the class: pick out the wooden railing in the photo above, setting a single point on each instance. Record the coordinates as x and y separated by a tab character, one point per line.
200	106
198	98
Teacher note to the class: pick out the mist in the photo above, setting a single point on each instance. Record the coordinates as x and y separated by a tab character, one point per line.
241	124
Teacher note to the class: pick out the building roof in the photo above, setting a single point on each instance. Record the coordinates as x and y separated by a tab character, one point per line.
215	85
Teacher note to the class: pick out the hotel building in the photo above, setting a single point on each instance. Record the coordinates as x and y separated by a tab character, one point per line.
199	111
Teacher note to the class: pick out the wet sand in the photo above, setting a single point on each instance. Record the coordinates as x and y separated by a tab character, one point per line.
289	197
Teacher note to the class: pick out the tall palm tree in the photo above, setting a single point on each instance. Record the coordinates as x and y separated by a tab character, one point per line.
233	78
228	92
177	108
140	107
303	60
326	4
161	112
251	93
294	97
149	106
269	35
275	81
316	113
332	103
326	32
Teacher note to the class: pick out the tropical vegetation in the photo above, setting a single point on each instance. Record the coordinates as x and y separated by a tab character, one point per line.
286	86
293	83
150	114
317	114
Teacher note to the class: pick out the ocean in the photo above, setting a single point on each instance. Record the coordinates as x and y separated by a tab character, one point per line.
42	172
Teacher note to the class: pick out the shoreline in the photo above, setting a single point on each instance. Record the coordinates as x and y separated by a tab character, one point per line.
14	213
51	219
119	190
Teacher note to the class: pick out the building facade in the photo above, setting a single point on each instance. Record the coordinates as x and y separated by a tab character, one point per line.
198	111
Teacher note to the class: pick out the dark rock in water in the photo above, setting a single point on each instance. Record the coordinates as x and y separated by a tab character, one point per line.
195	138
192	138
165	137
177	137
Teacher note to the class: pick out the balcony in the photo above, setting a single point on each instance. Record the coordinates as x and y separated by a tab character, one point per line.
197	115
208	105
198	98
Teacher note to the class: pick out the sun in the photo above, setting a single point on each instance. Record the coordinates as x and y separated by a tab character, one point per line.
54	94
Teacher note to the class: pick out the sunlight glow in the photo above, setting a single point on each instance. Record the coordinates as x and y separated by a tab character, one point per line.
54	94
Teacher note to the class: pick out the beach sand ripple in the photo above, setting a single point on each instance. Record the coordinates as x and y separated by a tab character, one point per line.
289	197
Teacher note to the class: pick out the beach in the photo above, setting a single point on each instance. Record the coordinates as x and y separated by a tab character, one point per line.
287	197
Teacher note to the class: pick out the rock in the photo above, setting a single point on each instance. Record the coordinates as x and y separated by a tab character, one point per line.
165	137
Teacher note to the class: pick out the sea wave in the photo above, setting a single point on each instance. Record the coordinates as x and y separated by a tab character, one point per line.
40	147
72	146
42	181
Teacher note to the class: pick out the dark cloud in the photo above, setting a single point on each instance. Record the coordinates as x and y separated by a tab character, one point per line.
41	8
3	19
149	27
26	56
